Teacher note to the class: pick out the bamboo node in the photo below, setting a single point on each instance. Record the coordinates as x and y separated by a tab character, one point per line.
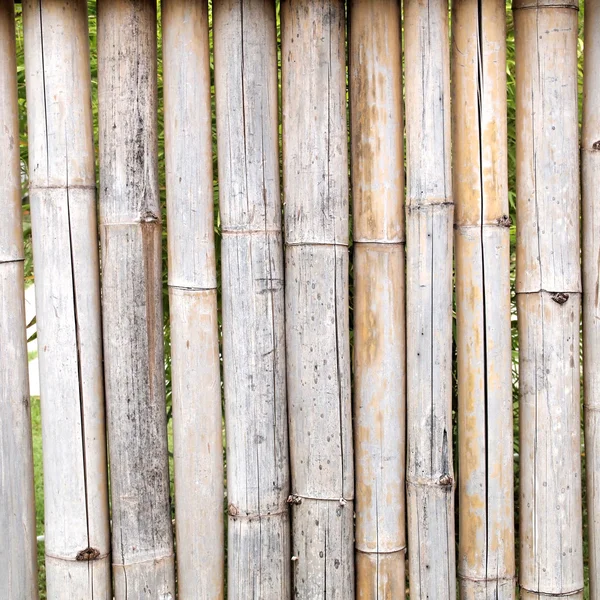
233	510
294	499
559	297
446	480
504	221
88	554
596	145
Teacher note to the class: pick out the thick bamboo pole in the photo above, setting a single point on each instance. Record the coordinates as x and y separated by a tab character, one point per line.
379	327
62	184
590	157
429	215
253	299
486	561
315	174
195	367
548	298
130	227
18	560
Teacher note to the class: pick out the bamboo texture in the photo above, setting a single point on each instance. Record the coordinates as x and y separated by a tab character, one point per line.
18	552
379	289
315	176
548	299
253	300
486	562
62	188
590	164
195	366
130	227
429	216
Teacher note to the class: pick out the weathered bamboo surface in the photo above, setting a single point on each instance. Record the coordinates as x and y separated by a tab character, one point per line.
62	191
486	561
590	157
130	227
18	552
315	176
195	366
548	299
429	215
379	314
253	300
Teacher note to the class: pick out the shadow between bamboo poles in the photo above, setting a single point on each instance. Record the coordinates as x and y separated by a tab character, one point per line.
196	377
486	561
63	213
548	299
130	227
253	299
315	175
379	316
590	157
18	552
429	215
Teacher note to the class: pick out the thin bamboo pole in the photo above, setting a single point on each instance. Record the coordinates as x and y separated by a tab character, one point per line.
379	325
590	158
315	175
429	215
253	299
195	366
62	187
130	227
548	299
18	552
486	561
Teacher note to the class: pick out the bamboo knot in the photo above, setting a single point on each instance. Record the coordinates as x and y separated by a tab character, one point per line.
87	554
559	297
233	510
596	145
504	221
446	480
294	499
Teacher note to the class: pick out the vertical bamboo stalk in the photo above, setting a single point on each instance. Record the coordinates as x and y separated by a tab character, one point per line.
142	540
590	158
486	562
315	173
253	299
18	560
379	326
429	215
548	299
196	378
62	186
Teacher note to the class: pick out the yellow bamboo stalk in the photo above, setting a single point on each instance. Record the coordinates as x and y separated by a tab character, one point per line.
548	299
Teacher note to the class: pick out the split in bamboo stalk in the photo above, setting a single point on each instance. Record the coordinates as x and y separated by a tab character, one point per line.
486	562
429	215
195	367
62	186
315	174
130	228
548	299
18	553
590	157
253	300
379	325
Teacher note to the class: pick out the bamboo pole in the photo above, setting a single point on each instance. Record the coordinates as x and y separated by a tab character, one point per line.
315	175
379	325
62	187
590	158
195	366
253	299
130	227
429	214
548	299
486	562
18	552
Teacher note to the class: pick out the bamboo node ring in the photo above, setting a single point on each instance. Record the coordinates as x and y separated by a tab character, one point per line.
559	297
87	554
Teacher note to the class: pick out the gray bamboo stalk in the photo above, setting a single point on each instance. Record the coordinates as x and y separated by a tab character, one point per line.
195	366
429	215
253	300
62	188
315	175
379	314
548	289
130	227
18	552
590	158
486	561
